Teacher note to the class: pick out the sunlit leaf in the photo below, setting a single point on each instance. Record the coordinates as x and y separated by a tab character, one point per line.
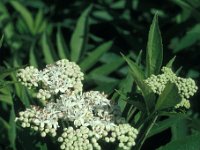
154	54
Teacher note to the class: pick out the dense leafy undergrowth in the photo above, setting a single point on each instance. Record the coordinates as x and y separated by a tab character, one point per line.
147	99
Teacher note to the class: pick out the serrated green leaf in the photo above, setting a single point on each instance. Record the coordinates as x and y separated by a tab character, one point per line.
186	143
78	38
169	97
94	56
46	49
63	51
154	56
25	14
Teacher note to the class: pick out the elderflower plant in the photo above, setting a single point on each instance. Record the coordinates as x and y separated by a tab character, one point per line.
61	77
85	118
186	87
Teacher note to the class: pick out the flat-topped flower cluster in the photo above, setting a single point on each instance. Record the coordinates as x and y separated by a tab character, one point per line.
186	87
87	118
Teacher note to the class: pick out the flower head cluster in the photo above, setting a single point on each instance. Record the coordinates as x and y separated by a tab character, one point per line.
63	77
44	120
29	76
186	87
85	138
89	117
87	109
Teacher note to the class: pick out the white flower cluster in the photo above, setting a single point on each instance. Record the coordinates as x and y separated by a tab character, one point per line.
85	138
90	117
63	77
186	87
88	108
44	119
29	76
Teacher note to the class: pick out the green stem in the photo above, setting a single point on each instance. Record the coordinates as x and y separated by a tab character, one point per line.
130	115
144	132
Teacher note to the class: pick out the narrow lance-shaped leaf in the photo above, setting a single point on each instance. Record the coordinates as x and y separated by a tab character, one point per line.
5	94
46	49
169	97
38	21
12	129
26	15
78	38
139	58
4	124
4	72
1	41
138	76
32	57
154	54
170	63
108	67
63	51
124	87
94	56
167	123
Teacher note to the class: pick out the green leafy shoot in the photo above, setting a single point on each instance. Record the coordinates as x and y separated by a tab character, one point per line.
154	56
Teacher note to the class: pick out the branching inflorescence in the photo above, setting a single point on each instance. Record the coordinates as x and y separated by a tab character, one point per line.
186	87
87	118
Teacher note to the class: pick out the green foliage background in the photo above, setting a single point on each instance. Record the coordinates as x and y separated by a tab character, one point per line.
93	34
